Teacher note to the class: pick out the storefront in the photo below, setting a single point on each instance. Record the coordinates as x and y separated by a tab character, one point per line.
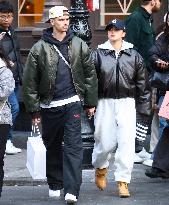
30	12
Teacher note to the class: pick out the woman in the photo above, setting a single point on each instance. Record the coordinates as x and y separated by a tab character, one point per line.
122	83
7	85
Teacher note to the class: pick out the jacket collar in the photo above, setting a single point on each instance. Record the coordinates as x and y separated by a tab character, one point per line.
145	13
108	48
9	31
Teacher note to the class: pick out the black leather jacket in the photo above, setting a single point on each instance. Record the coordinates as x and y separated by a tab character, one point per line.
123	77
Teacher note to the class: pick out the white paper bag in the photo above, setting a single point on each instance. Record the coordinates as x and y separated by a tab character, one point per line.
36	158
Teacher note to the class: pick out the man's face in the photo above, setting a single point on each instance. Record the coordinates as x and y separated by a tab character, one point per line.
157	5
115	35
6	20
61	24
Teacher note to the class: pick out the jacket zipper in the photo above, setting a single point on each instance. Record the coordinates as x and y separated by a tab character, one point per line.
117	79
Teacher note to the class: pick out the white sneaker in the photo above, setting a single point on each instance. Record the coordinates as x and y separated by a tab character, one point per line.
70	198
143	154
137	159
11	149
54	193
148	162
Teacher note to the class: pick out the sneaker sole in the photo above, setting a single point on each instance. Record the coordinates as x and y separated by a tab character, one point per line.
124	196
12	153
70	201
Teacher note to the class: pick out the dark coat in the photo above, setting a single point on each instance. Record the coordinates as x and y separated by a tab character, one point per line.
160	50
41	71
140	32
10	46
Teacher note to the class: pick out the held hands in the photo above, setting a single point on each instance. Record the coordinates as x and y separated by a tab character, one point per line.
90	112
162	64
36	118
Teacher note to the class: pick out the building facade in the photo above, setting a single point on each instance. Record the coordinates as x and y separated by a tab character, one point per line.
28	14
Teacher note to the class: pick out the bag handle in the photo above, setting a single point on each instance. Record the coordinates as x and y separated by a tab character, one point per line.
60	54
35	129
2	104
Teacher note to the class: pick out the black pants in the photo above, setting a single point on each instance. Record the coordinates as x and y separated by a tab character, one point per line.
161	155
4	129
63	163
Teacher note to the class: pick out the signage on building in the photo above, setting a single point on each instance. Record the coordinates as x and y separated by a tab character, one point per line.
92	5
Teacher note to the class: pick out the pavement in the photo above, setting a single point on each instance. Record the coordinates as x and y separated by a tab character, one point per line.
144	191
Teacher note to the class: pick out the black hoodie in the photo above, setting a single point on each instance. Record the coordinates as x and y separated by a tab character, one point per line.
64	87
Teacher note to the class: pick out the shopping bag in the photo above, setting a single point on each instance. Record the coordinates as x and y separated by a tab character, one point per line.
164	109
36	157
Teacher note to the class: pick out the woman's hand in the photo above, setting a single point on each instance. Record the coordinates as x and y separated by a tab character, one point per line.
90	112
162	64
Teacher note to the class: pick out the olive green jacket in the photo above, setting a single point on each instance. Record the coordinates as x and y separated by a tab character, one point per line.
41	70
140	32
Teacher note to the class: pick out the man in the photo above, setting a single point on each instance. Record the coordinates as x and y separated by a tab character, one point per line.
140	32
59	77
122	85
10	47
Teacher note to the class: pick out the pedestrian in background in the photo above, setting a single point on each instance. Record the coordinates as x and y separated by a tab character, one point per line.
140	32
59	78
158	94
7	85
159	58
122	89
10	46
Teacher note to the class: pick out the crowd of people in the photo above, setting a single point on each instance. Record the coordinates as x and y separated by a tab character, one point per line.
63	76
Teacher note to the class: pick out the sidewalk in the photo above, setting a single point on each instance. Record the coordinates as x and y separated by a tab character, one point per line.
20	189
16	172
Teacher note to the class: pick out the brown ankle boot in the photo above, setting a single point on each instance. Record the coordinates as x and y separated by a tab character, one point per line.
100	178
123	189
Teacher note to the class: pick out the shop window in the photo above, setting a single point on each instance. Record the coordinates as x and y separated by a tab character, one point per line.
110	9
30	12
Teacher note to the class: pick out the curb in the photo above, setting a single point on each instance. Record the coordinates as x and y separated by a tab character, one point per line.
23	182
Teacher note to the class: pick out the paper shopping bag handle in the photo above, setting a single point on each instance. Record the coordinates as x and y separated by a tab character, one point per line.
35	128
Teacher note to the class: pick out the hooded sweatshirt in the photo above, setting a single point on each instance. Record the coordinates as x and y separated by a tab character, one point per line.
64	87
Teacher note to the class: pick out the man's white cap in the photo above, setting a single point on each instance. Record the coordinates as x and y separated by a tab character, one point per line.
57	11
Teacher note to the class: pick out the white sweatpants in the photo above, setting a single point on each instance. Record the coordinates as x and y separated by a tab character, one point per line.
115	126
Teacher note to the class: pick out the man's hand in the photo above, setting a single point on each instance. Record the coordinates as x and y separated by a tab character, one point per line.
90	112
36	118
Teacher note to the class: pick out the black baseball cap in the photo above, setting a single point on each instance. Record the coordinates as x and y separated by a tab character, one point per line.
119	24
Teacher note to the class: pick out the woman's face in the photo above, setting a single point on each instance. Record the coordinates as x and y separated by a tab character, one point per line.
115	34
